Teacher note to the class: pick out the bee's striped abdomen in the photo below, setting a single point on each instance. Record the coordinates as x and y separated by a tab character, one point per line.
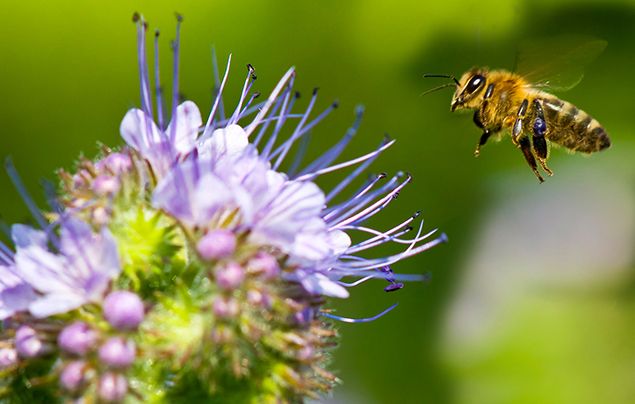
573	128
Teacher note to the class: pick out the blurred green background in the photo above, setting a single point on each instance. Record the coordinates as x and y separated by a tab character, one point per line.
532	301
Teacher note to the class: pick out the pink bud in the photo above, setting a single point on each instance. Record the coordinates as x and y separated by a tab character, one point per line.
230	276
123	310
217	244
77	338
112	387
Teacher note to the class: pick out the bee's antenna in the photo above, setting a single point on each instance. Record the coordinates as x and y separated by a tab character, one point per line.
445	76
436	88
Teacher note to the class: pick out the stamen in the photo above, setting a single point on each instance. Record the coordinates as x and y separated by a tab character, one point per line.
287	105
272	97
299	155
6	255
218	100
251	77
24	194
357	282
337	209
358	320
306	129
175	79
336	167
51	196
389	260
146	104
217	86
287	145
335	151
349	217
273	117
157	82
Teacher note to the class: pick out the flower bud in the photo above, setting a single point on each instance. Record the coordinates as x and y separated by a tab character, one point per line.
73	375
116	163
117	352
225	308
230	276
123	310
77	338
217	244
112	387
105	185
265	264
8	357
27	342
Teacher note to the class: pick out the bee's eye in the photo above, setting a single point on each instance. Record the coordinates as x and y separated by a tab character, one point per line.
475	83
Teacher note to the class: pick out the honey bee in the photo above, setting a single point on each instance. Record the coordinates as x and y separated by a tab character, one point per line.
506	102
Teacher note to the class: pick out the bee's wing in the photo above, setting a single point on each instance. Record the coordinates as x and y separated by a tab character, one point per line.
557	63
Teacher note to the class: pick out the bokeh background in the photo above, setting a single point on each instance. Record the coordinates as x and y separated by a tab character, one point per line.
532	301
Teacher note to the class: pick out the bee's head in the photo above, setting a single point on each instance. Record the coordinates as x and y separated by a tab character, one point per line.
470	90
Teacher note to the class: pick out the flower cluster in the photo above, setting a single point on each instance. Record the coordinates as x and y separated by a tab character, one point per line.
195	261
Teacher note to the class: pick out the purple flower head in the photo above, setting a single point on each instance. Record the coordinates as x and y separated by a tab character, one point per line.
123	310
237	173
76	272
118	352
77	338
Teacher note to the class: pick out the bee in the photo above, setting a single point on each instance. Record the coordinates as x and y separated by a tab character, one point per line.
506	102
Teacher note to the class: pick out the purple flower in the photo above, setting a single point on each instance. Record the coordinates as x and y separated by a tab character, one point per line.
123	310
78	272
236	173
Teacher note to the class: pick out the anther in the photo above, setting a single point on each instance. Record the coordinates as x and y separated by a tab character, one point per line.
136	17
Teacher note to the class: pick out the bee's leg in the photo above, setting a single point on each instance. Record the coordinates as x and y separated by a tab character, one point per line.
517	129
478	120
486	133
525	147
539	142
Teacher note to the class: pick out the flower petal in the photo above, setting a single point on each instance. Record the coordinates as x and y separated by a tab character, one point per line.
228	141
320	284
55	303
183	129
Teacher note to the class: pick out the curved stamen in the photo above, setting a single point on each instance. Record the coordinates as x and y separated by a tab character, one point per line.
272	97
249	81
218	100
335	210
339	166
358	320
389	260
349	217
357	282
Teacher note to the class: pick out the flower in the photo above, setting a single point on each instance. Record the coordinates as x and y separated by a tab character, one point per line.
77	273
198	260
